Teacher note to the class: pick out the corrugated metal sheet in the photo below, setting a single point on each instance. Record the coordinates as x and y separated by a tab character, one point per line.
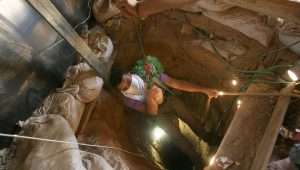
33	57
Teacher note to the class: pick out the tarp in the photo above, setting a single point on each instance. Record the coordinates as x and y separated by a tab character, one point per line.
246	22
210	5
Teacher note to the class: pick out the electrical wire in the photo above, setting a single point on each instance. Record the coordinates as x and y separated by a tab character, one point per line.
88	17
75	27
75	143
67	142
257	94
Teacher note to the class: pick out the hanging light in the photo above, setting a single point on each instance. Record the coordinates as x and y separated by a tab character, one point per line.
280	20
297	1
132	2
234	82
292	75
212	160
239	103
158	133
220	93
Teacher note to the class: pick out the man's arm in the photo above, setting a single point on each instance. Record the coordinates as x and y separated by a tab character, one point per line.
187	86
154	99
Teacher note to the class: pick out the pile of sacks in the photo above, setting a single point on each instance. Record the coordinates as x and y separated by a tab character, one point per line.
81	87
58	119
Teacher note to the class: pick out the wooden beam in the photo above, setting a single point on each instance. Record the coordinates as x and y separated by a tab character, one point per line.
276	8
247	128
61	25
266	146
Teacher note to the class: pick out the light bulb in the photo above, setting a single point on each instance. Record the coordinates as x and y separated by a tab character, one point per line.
234	82
212	160
280	20
132	2
297	1
292	75
158	133
220	93
239	102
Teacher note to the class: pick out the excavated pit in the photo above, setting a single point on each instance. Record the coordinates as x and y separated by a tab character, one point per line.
33	68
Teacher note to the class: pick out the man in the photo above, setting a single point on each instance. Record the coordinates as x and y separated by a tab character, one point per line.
147	94
147	99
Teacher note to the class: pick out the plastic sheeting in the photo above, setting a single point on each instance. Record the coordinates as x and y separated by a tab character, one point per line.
210	5
246	22
289	33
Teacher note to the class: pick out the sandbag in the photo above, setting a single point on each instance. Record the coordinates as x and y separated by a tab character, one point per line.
4	157
65	104
86	79
246	22
81	86
111	156
210	5
289	33
94	162
104	10
38	155
100	43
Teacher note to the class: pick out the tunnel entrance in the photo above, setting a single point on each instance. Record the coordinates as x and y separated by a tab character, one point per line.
173	158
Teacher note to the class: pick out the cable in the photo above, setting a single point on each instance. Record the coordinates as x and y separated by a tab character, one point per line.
66	142
75	143
221	93
88	17
75	27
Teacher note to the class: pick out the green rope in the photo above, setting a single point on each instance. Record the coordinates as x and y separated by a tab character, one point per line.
140	38
156	66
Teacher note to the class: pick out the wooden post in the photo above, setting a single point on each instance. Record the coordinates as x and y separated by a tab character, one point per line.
265	148
276	8
61	25
253	131
247	128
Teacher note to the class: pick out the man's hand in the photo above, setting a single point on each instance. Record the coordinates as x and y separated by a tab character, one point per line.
285	133
212	93
128	10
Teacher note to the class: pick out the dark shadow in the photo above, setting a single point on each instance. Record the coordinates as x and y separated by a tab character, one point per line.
173	158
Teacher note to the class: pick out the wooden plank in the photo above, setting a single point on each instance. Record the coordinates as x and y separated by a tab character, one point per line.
285	9
90	107
267	144
247	128
61	25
